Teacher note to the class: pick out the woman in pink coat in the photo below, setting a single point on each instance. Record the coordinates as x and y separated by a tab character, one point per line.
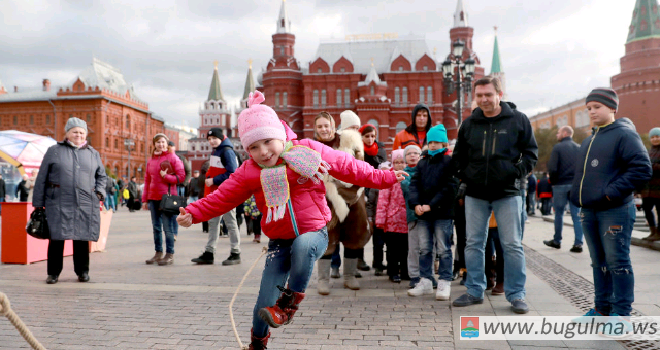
391	218
284	175
164	171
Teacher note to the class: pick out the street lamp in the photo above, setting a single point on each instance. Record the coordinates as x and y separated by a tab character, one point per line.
129	143
460	81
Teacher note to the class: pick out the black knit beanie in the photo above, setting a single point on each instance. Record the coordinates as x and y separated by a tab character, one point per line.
606	96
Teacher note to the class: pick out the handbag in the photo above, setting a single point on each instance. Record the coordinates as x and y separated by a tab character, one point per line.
37	226
170	204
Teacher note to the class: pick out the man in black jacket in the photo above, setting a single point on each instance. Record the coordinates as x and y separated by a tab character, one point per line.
22	192
495	149
562	168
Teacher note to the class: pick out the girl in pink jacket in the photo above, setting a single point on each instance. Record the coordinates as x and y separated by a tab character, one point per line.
285	176
391	218
164	171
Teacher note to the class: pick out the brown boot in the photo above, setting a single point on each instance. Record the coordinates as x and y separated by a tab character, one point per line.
258	343
654	236
282	312
157	256
168	259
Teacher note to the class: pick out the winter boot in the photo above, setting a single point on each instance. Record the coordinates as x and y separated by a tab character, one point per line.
350	267
168	259
362	266
156	257
205	259
285	307
233	259
323	286
258	343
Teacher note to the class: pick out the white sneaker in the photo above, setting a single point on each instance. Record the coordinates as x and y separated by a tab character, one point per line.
444	290
425	286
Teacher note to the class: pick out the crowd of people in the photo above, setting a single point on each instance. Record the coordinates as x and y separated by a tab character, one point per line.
342	189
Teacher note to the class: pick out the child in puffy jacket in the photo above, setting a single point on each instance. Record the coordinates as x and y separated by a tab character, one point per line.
391	218
252	212
284	175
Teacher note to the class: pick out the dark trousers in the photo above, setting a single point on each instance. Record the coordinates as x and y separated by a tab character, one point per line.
379	244
205	226
647	204
546	206
494	247
459	223
397	254
56	257
256	225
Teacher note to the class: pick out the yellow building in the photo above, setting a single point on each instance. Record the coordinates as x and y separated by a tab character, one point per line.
573	113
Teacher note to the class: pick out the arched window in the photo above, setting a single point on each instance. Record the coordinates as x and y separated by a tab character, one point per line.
371	90
429	95
404	96
315	98
107	142
400	126
374	122
396	96
347	98
285	96
128	121
277	99
323	99
421	94
338	97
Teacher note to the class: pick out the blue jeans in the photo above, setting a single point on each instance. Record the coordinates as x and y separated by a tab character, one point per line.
523	213
560	198
181	190
287	259
336	257
507	214
607	233
162	222
439	232
110	202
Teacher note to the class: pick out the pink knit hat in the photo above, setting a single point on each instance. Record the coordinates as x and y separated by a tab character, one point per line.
259	122
397	153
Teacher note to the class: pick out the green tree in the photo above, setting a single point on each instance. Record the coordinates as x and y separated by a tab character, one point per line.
545	138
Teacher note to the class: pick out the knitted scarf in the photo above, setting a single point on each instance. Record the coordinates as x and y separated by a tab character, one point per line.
304	161
371	150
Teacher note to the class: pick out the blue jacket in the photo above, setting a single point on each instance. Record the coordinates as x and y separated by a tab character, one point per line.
228	158
405	187
561	165
613	162
434	185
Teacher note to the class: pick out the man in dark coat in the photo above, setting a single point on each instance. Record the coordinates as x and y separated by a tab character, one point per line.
495	149
531	194
562	168
544	191
22	192
133	195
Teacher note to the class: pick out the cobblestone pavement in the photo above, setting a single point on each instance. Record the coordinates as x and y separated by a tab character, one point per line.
130	305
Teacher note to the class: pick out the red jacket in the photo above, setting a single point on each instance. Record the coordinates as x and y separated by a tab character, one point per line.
308	199
391	210
155	186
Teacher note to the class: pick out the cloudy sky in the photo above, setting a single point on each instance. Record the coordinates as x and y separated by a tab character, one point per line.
553	52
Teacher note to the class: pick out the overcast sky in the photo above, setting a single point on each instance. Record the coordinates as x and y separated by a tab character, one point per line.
552	52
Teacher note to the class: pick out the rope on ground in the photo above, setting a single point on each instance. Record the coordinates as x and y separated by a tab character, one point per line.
233	298
5	310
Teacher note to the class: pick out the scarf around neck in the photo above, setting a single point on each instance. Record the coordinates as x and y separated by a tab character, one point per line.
371	150
301	159
74	145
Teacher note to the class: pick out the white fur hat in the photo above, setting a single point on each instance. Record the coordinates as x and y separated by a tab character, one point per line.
348	118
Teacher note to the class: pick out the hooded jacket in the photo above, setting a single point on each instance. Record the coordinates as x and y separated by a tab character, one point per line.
69	185
652	189
391	210
434	185
612	163
222	164
307	198
561	165
492	154
409	135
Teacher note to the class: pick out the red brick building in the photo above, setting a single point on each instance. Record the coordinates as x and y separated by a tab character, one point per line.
379	76
100	96
638	84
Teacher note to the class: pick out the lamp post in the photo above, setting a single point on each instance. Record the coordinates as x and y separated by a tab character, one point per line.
460	81
129	143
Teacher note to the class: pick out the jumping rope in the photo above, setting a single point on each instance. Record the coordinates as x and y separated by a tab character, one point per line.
233	298
5	310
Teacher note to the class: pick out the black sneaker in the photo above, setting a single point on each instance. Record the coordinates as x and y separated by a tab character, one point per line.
576	249
52	279
552	243
467	300
205	259
379	272
233	259
83	277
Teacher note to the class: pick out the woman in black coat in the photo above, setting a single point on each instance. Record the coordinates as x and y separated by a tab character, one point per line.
70	186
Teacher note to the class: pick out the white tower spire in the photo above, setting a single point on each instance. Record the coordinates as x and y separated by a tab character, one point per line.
283	22
460	16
